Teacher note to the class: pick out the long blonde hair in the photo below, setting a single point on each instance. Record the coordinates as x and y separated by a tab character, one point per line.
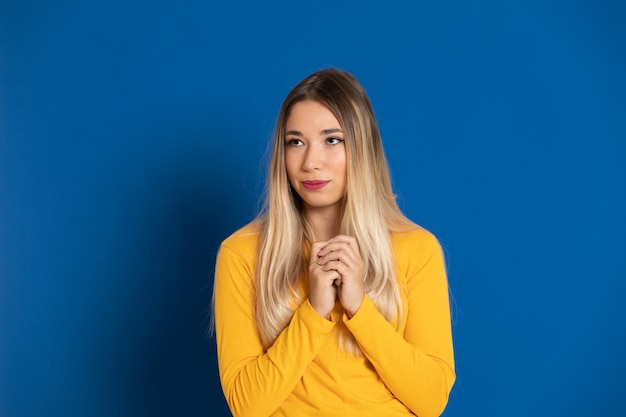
370	212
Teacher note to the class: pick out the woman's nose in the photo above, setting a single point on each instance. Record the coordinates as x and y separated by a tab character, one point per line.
314	158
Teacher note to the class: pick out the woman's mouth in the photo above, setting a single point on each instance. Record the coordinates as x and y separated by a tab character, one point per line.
314	184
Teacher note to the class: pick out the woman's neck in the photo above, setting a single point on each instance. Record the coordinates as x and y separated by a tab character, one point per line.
325	224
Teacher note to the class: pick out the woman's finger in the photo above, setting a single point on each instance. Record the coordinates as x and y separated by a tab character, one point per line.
316	248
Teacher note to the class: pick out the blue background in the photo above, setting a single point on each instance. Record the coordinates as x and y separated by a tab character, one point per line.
132	137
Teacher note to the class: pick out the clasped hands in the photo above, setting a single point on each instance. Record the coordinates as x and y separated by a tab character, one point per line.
336	273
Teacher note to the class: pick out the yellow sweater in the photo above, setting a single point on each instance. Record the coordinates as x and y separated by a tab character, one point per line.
304	373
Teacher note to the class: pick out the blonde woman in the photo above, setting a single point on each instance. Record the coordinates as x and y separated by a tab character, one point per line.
332	302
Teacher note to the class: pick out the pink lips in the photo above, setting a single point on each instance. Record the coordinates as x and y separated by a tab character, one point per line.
314	184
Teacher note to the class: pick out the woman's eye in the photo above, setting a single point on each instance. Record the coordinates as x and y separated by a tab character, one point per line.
334	141
294	142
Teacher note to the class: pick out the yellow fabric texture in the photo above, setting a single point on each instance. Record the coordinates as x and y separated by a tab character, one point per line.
405	371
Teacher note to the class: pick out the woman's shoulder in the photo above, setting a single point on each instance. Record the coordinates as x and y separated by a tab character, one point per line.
414	249
413	239
244	240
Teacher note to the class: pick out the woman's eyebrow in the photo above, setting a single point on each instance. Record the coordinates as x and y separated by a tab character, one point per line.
323	132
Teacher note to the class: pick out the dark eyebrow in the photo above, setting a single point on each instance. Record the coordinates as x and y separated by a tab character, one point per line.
323	132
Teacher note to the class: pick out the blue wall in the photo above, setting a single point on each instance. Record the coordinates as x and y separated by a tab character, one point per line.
131	143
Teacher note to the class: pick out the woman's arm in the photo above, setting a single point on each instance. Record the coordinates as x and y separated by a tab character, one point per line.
417	365
255	383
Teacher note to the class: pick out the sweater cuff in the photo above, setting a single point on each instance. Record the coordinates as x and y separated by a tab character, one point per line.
364	316
313	320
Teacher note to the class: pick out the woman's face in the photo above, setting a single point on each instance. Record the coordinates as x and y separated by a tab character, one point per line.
315	156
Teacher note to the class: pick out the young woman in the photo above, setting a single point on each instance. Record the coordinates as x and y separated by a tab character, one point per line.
332	302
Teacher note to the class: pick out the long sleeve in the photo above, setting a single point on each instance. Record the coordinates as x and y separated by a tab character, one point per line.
417	362
256	383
